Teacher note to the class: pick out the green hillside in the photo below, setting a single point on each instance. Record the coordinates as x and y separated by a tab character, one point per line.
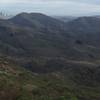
17	83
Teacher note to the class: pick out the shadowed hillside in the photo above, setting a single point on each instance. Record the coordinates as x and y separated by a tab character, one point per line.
61	60
36	34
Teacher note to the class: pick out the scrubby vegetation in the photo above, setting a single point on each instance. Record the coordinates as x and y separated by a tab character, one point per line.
16	83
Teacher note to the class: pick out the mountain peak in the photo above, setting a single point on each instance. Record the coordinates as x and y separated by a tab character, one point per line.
25	14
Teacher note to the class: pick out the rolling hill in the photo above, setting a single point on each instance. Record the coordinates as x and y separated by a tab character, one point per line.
43	58
40	35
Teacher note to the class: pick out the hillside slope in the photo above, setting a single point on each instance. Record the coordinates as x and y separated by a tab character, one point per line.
61	60
17	83
29	37
39	35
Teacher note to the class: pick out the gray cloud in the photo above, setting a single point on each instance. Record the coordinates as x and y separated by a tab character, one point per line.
81	1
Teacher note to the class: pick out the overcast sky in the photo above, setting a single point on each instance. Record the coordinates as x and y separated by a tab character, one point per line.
52	7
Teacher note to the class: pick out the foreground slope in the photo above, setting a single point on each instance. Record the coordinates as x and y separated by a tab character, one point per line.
17	83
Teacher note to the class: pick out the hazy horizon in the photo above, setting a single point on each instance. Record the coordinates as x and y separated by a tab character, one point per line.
52	7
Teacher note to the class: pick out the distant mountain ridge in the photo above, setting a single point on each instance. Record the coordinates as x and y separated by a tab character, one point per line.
65	18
